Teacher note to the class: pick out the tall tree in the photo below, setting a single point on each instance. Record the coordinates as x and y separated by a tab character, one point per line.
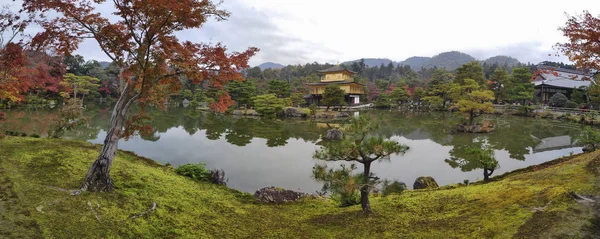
362	147
280	88
438	88
471	70
140	39
501	84
242	92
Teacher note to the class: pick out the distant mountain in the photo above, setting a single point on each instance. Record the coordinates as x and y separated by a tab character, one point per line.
415	62
502	60
449	60
270	65
370	62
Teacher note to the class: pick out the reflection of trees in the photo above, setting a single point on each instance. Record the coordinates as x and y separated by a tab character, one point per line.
513	134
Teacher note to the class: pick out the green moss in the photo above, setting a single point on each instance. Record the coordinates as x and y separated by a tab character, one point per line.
37	174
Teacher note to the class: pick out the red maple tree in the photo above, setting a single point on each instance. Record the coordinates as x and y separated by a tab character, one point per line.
142	44
583	45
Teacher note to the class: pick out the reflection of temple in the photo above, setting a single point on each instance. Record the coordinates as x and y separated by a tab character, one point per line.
553	143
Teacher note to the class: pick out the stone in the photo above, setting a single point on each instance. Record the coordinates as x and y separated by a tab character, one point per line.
293	112
425	182
237	112
334	134
588	148
278	195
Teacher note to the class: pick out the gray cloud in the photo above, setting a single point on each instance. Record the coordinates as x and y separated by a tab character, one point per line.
250	27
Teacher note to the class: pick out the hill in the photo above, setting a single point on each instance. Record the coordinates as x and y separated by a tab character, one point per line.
415	62
449	60
502	60
36	175
270	65
371	62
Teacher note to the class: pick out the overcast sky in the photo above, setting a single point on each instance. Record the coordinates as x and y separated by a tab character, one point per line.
302	31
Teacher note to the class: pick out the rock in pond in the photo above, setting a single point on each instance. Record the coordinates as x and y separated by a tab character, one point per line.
334	134
425	183
277	195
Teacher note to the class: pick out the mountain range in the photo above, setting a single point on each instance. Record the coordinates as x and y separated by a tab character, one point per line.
449	60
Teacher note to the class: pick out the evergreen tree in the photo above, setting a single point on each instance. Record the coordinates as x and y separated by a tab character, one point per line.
333	96
360	146
471	70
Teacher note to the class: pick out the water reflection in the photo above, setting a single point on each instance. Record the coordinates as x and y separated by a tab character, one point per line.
258	152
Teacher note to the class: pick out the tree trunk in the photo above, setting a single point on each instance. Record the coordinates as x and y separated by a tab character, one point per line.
98	176
365	188
487	173
471	118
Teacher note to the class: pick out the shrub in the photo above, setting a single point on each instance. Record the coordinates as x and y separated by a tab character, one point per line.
392	187
194	171
23	134
571	104
34	135
558	100
268	105
313	109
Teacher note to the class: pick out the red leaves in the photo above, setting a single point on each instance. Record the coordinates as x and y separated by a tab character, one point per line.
223	102
140	39
583	46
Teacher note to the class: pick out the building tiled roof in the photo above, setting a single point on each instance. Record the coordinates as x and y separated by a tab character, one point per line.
337	68
563	78
333	82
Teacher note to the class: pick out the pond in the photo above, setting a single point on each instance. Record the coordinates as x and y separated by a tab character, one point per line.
256	153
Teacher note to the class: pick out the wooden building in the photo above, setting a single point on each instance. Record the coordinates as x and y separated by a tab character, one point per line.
340	76
549	81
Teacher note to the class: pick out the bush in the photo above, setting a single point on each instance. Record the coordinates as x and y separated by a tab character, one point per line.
194	171
34	135
571	104
313	109
558	100
394	187
268	105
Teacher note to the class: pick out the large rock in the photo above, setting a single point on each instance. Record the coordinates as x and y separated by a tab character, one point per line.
425	182
277	195
293	112
334	134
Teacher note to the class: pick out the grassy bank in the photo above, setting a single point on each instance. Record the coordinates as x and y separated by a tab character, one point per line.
37	174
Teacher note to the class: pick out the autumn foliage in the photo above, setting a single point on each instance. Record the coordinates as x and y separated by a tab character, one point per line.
140	40
583	46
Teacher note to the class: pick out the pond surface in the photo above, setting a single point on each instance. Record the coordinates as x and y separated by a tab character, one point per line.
258	153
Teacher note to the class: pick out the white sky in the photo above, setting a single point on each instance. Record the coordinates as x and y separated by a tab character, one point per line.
302	31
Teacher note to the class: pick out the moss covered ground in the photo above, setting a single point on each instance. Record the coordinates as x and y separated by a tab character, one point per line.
37	174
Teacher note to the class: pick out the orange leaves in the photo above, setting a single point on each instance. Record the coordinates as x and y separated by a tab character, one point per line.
583	46
223	102
140	39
